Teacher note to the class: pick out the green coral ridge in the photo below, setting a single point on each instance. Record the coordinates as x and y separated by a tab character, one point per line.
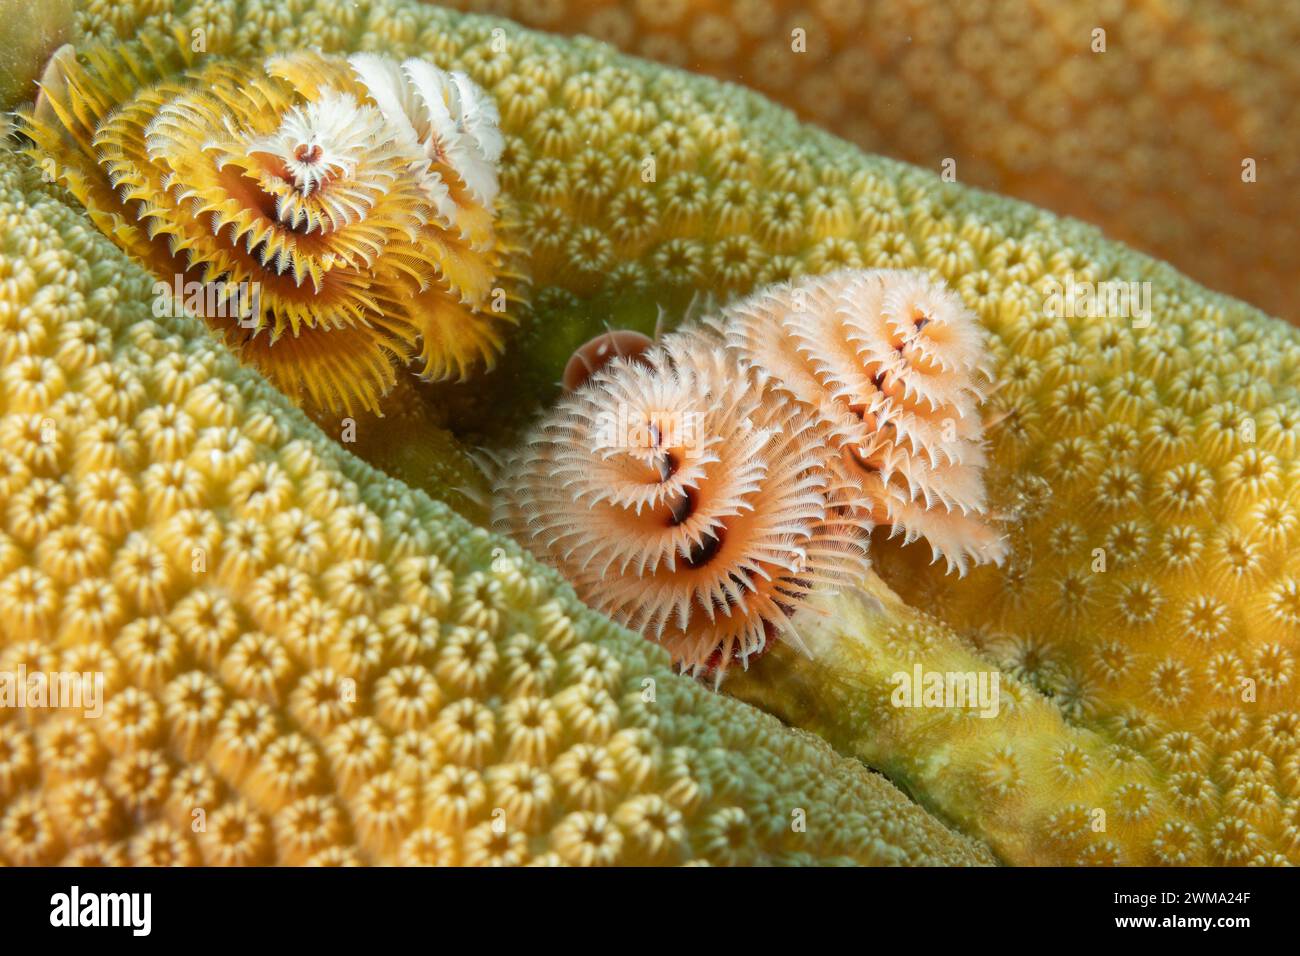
1144	628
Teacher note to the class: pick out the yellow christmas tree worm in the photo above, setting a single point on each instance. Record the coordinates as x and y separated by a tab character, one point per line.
1144	457
331	218
1138	116
304	661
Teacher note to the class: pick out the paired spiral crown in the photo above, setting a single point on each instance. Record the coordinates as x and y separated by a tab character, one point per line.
702	489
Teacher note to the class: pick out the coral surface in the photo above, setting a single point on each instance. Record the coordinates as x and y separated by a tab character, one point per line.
1143	129
305	661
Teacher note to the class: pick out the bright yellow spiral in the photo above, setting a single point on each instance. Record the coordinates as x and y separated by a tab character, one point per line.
331	218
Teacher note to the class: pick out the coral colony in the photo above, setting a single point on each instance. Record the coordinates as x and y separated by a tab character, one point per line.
1034	564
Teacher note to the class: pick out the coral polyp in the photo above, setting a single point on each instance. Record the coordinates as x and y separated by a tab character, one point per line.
685	499
333	219
894	362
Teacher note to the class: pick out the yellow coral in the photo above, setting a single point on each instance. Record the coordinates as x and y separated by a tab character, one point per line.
255	712
1162	128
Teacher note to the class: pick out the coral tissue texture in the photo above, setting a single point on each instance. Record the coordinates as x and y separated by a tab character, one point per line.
305	661
1150	602
1146	139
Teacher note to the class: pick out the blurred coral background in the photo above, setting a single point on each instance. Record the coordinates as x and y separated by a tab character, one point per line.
1148	140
